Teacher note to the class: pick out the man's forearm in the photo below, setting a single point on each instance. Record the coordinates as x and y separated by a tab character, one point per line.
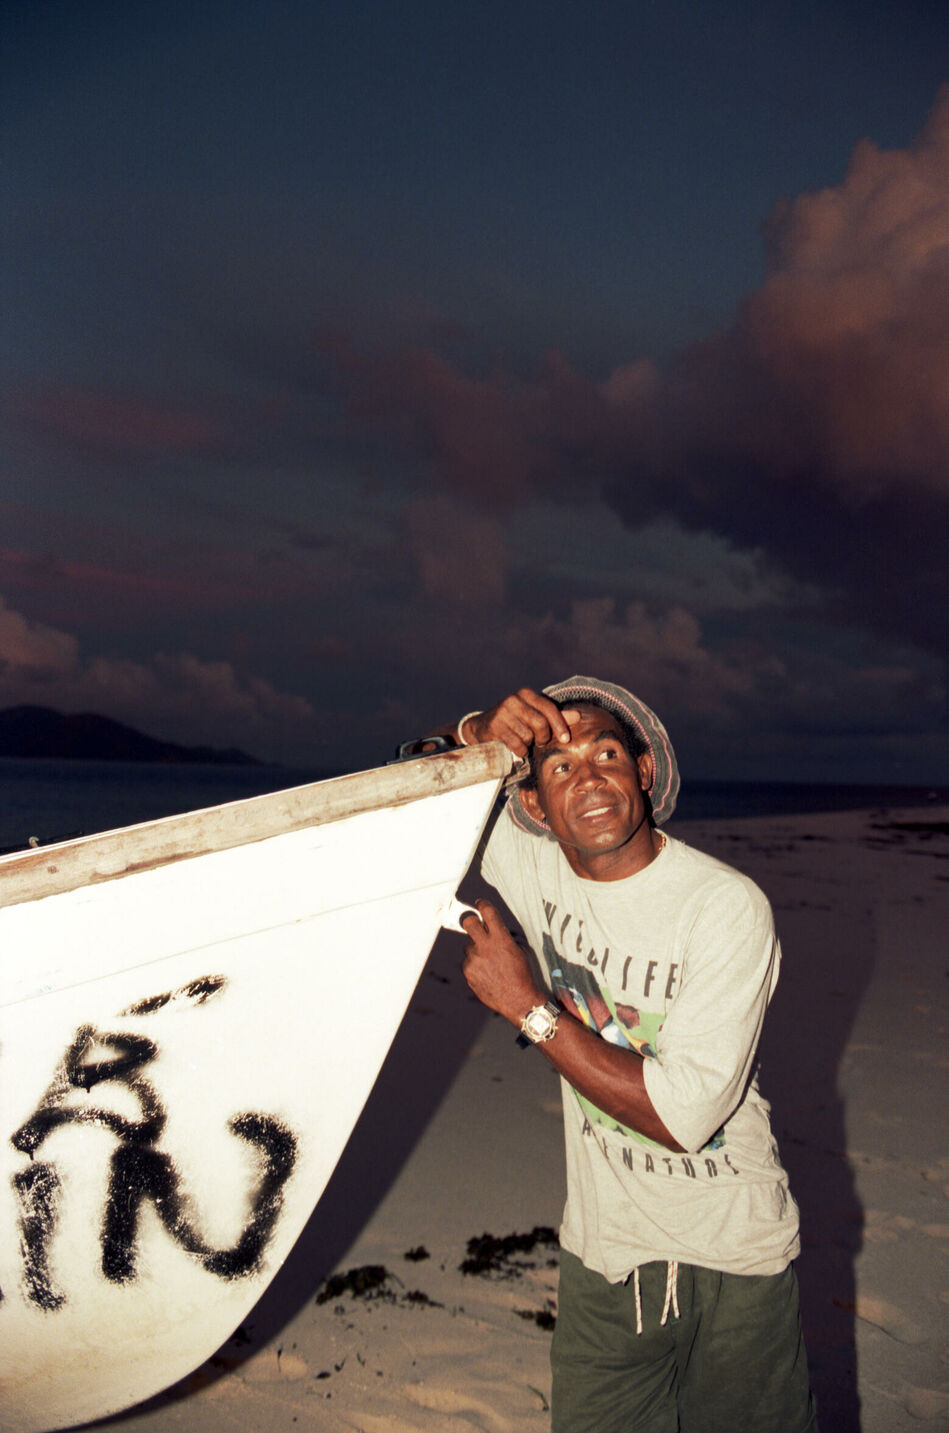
610	1077
499	973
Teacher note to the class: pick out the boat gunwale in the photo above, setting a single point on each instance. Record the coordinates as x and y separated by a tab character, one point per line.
130	850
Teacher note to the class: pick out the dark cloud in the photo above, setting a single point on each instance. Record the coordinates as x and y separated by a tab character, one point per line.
460	555
816	428
488	437
122	424
225	523
119	594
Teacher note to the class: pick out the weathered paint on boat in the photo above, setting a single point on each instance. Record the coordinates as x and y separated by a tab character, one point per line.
192	1014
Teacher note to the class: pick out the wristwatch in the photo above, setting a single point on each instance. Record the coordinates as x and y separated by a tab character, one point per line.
539	1024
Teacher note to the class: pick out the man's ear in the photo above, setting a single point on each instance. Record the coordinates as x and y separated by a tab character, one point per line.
531	803
646	770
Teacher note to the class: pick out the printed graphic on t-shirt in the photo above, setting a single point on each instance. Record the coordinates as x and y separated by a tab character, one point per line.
579	992
622	1023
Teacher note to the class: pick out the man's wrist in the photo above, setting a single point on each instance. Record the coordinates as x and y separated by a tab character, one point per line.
539	1024
460	729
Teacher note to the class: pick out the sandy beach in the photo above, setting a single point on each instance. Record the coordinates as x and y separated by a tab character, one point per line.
395	1314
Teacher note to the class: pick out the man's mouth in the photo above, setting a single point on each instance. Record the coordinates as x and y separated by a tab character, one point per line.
591	813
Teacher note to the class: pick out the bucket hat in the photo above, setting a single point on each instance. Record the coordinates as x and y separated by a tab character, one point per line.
641	720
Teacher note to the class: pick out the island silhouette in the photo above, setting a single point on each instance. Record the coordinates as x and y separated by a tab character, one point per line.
42	732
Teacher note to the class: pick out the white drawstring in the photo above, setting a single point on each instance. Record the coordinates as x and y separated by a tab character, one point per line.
672	1295
672	1292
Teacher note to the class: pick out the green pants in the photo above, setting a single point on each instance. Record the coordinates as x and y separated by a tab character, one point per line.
732	1362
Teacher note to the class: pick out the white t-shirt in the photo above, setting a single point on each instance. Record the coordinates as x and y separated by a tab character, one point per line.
678	961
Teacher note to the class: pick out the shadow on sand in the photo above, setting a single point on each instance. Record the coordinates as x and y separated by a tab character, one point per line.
828	957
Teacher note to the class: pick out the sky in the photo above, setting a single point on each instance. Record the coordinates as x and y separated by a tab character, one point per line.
364	362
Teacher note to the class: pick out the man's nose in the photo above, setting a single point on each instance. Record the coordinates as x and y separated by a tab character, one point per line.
589	774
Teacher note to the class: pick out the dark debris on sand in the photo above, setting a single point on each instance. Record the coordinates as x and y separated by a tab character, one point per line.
369	1281
373	1282
492	1257
545	1319
416	1296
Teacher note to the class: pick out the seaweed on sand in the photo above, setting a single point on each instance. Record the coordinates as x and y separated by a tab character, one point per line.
491	1256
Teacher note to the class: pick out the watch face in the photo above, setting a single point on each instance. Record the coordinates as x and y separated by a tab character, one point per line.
539	1023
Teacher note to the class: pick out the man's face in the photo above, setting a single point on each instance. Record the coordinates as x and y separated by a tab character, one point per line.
591	792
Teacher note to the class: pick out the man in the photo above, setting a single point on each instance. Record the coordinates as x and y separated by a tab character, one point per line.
678	1304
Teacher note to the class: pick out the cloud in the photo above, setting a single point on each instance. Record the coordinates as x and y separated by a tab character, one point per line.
663	654
460	553
852	323
842	356
816	428
33	653
112	422
159	580
759	693
838	365
486	437
733	689
177	697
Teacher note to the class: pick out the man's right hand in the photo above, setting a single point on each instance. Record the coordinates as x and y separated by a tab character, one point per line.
521	720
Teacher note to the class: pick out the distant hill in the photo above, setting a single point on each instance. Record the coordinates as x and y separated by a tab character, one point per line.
86	736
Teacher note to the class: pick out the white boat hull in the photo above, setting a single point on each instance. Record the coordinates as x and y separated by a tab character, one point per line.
189	1029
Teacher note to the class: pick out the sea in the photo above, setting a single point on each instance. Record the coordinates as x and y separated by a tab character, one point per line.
42	801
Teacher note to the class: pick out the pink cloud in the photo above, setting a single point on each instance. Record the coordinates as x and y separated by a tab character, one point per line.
175	696
33	652
816	427
115	597
852	322
111	421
